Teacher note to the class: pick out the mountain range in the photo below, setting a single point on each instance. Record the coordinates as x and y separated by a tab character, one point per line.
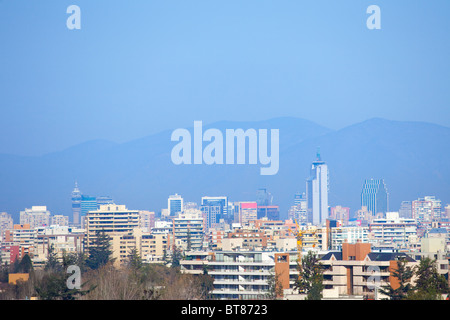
412	158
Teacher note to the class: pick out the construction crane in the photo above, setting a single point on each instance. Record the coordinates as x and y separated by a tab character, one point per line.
299	236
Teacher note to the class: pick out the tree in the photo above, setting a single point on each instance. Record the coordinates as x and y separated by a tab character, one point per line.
189	240
25	265
311	277
403	274
52	260
99	252
429	284
53	286
275	287
176	257
134	260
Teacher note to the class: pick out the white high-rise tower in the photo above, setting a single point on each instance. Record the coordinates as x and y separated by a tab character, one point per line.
317	192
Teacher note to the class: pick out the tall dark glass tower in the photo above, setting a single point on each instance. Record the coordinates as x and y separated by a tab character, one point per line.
375	196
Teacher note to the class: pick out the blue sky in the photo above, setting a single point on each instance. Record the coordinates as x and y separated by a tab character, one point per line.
139	67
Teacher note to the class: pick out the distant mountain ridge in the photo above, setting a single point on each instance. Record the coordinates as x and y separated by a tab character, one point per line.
410	156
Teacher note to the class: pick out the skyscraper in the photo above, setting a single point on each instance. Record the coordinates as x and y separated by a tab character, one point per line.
175	204
317	192
374	196
76	205
263	197
215	208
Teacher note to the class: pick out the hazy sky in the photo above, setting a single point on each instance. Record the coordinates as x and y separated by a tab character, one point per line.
138	67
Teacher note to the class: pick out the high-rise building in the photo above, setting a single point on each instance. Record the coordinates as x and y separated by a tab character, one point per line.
110	219
248	211
147	220
214	209
188	228
375	196
298	212
6	223
37	216
405	210
59	220
340	213
426	209
175	204
102	200
76	205
317	192
269	212
263	197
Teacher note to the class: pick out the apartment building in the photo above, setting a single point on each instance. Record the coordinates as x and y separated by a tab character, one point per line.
244	275
189	228
392	230
61	238
357	271
37	216
340	235
150	247
110	218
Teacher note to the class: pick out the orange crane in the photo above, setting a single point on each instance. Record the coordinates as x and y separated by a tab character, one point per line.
299	235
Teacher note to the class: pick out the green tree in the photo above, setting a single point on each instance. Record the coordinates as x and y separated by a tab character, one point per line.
403	274
52	260
177	255
429	284
25	265
134	260
189	240
53	286
275	289
99	252
311	277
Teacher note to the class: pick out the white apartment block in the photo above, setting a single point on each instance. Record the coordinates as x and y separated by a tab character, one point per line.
110	218
60	220
392	230
189	225
243	275
339	235
37	216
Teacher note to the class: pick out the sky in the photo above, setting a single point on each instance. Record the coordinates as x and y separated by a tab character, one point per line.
139	67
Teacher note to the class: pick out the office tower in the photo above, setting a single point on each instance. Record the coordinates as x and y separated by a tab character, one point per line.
88	203
405	210
110	218
263	197
76	205
374	196
269	212
426	209
175	205
215	208
102	200
447	211
317	192
298	212
37	216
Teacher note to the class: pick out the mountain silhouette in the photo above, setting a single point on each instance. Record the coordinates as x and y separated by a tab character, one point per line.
410	156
